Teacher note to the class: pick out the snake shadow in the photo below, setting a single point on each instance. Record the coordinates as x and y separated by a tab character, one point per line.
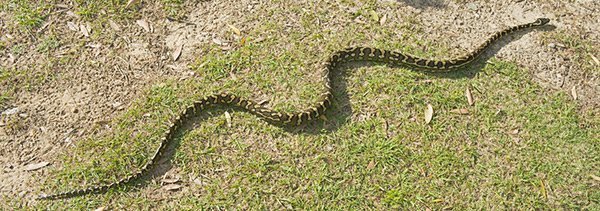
341	109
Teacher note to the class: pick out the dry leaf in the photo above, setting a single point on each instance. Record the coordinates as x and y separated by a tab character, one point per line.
177	52
357	20
374	15
595	59
84	30
92	45
172	187
33	167
197	181
236	31
100	209
469	96
114	25
170	181
595	177
72	26
10	111
218	41
144	24
243	41
371	165
574	93
228	118
11	58
63	6
461	111
44	26
383	19
428	114
72	14
129	3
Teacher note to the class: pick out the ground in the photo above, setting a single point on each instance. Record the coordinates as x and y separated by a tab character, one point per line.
86	88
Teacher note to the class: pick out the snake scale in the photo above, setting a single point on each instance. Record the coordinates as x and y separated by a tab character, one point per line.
298	118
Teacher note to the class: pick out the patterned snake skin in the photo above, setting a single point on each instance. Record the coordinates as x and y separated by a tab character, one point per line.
350	54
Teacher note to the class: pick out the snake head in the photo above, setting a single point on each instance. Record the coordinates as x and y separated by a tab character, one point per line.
541	21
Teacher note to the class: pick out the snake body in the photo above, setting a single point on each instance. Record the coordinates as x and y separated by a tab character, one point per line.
314	112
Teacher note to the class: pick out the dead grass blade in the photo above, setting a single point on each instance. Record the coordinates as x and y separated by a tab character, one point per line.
469	96
461	111
235	30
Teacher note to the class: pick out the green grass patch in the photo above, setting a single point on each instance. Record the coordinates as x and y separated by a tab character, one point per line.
18	49
25	79
47	44
174	8
27	15
91	10
4	97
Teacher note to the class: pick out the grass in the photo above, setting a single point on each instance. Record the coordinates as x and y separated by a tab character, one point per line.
32	76
92	10
28	16
520	145
18	50
470	161
47	44
581	50
4	94
13	80
174	8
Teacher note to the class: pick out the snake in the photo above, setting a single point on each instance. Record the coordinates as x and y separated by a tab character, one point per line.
316	111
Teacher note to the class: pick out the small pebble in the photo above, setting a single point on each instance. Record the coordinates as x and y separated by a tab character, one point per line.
472	6
117	105
10	111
